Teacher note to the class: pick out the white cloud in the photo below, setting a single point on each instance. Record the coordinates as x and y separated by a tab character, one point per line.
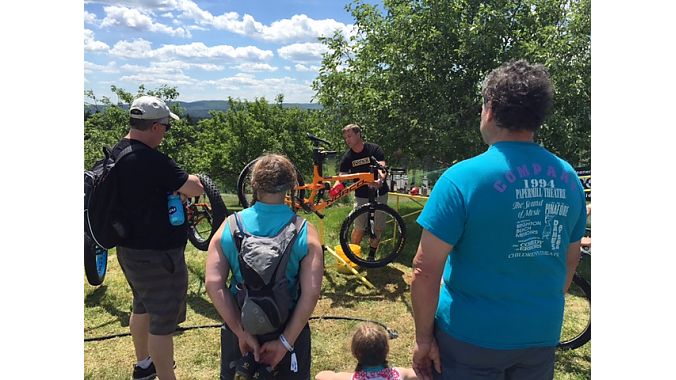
200	50
190	10
110	68
90	44
89	18
302	68
303	52
253	67
196	27
141	48
171	67
150	79
137	14
158	5
303	28
297	28
230	21
244	85
138	20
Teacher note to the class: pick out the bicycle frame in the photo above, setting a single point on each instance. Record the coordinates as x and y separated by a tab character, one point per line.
320	183
314	203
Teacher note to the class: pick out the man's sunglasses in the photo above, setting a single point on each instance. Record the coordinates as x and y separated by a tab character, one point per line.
166	126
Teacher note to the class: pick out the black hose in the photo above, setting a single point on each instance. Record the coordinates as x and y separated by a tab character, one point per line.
391	333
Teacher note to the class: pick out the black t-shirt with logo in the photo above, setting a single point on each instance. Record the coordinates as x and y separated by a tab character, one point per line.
353	162
145	176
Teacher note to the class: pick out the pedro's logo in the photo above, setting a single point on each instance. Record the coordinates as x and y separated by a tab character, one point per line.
361	161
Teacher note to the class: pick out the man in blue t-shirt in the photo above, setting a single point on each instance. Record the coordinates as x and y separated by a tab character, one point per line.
502	231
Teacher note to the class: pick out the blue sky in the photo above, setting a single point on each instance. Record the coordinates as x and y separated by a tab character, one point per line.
209	49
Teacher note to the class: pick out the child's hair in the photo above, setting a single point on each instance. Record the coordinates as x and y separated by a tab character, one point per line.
369	345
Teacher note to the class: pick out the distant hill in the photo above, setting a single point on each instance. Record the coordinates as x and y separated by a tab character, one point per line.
200	109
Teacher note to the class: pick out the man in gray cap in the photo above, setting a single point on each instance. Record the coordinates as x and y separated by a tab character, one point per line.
152	255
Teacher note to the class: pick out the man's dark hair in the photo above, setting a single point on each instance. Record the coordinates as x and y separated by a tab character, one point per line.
141	124
520	95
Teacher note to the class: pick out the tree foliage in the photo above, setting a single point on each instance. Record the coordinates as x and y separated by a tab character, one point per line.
411	73
219	146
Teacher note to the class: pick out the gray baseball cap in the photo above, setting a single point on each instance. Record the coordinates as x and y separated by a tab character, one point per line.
150	108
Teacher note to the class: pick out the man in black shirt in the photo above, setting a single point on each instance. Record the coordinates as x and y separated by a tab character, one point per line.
152	255
357	160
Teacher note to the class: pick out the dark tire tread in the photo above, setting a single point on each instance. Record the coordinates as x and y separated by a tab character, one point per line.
345	239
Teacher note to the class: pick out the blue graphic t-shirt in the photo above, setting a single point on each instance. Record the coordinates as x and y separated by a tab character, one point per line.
263	219
510	214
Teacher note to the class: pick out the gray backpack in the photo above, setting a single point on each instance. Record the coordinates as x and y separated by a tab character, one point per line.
264	297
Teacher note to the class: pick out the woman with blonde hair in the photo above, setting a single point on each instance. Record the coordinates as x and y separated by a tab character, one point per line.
287	349
370	347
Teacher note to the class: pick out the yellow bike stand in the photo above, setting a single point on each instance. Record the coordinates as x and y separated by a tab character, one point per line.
348	266
339	258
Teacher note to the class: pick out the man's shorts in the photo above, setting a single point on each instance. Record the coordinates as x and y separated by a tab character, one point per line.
159	283
360	222
230	353
461	360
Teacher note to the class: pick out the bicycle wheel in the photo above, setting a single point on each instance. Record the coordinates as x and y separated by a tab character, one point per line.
95	261
381	221
245	192
206	214
576	329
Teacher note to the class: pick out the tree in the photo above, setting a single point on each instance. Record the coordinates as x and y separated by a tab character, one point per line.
107	126
220	146
412	73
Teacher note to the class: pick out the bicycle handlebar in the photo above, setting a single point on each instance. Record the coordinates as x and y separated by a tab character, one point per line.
377	164
316	140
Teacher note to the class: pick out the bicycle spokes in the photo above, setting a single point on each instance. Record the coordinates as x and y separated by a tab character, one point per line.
202	222
379	233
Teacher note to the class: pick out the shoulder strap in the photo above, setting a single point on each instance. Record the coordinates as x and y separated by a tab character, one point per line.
236	230
125	151
300	222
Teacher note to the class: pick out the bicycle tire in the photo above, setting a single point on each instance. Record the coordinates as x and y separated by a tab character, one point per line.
206	219
95	261
244	191
581	335
395	243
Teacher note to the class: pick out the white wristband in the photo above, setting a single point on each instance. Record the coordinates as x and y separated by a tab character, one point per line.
285	343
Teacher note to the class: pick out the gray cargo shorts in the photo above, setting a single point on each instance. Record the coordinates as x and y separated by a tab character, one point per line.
159	284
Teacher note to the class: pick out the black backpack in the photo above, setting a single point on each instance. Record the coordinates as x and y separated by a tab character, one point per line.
104	221
264	298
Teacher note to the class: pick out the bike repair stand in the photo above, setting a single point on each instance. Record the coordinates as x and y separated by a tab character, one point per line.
340	259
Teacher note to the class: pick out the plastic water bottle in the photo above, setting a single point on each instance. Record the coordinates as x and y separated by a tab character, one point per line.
335	191
176	215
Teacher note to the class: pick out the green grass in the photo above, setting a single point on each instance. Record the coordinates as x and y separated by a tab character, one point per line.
197	351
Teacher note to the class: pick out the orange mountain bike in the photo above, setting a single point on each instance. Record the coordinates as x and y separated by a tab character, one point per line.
376	220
